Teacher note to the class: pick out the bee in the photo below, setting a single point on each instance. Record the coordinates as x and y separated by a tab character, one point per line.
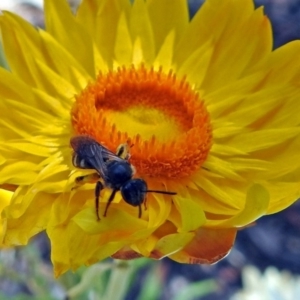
113	171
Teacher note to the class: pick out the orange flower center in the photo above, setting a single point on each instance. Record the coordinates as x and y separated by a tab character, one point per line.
162	116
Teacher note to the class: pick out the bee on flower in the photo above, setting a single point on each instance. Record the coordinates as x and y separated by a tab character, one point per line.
208	106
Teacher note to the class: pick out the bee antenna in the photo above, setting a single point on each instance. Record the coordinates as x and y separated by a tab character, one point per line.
160	192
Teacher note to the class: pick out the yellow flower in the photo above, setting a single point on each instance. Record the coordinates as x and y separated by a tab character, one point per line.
209	109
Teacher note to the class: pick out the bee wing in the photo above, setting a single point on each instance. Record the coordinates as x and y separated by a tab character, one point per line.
89	154
108	155
94	158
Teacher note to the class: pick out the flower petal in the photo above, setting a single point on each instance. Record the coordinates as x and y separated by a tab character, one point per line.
207	247
126	253
20	226
165	54
96	17
191	213
5	197
236	21
140	28
114	222
170	244
19	34
256	205
177	20
123	43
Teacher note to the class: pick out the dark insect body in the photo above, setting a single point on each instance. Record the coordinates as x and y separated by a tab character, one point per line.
112	171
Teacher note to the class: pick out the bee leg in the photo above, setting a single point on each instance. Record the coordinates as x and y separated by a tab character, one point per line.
145	204
123	151
140	211
98	188
109	201
81	180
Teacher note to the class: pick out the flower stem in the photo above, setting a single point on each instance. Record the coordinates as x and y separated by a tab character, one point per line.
119	280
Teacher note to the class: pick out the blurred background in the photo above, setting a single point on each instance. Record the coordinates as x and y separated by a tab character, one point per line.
263	265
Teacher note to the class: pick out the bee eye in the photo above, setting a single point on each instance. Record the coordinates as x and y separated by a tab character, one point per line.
134	191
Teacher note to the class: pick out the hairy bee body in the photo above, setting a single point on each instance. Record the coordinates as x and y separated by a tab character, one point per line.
113	171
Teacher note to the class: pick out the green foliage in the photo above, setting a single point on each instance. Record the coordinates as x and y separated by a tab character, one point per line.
26	275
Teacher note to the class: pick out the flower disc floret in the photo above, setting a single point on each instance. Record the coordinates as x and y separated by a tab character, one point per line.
179	134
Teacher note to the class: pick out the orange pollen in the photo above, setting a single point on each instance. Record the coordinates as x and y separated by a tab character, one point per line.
162	117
